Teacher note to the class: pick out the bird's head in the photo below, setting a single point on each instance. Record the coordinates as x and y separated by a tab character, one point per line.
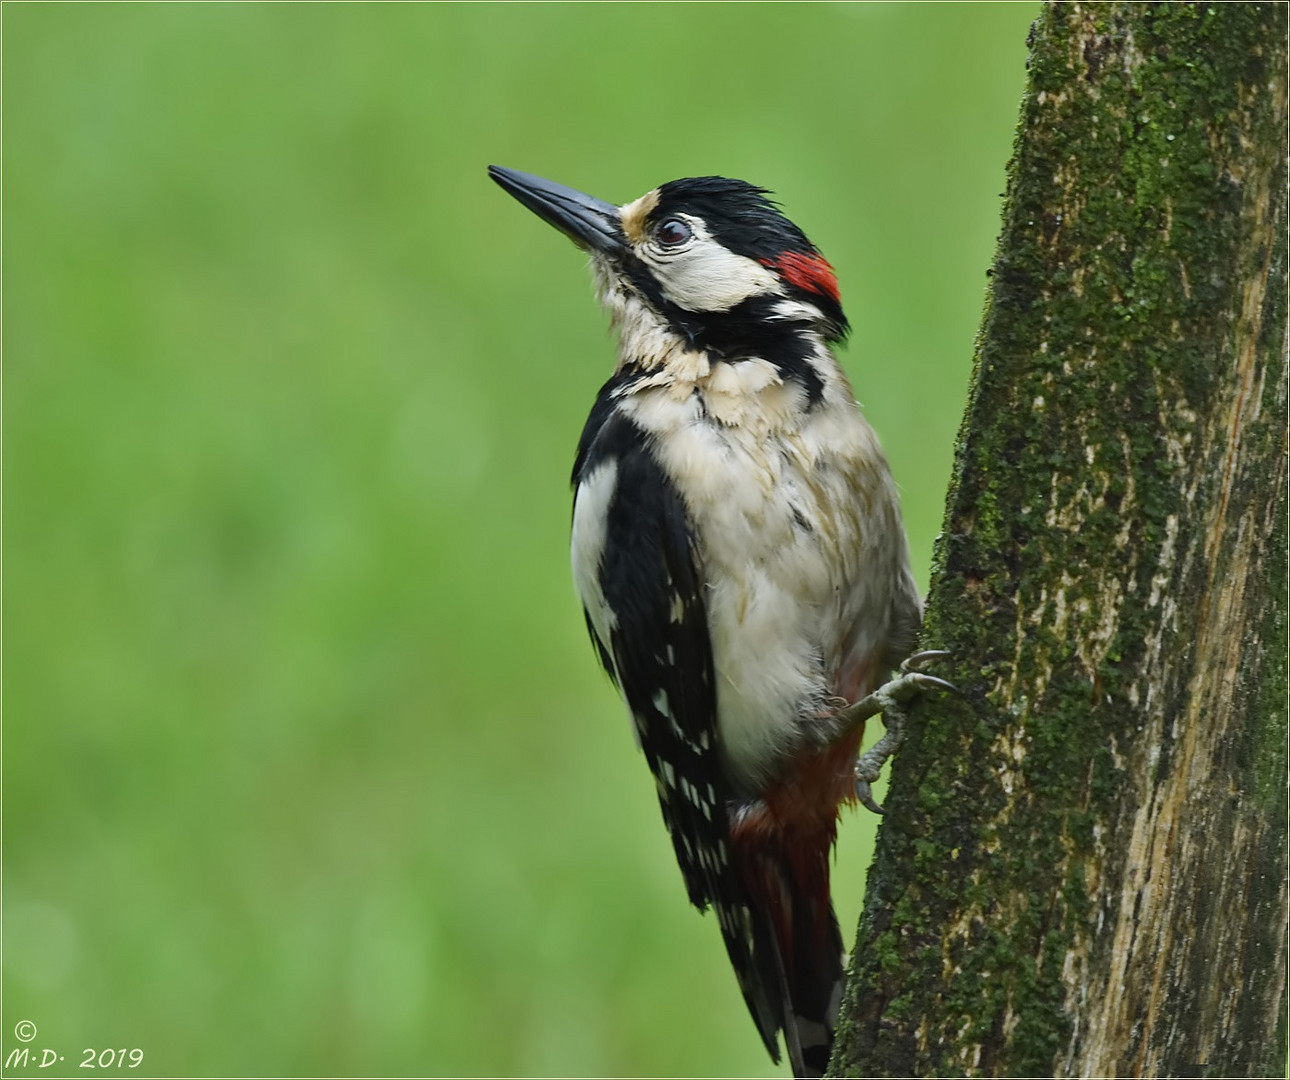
711	259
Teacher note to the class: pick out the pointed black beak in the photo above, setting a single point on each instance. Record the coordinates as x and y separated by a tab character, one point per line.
592	224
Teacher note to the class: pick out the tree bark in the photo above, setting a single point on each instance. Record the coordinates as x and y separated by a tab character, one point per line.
1082	871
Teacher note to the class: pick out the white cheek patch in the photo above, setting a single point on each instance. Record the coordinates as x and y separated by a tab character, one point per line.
704	276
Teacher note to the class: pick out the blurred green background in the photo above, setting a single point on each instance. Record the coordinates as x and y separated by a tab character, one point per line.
309	768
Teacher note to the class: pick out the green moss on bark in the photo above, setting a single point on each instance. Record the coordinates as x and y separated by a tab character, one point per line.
1114	531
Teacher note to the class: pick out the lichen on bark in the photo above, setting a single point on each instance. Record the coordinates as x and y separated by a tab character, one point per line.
1082	871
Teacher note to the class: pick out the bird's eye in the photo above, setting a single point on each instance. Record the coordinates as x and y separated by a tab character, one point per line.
672	232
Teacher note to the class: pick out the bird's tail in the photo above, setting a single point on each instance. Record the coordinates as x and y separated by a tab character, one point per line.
792	952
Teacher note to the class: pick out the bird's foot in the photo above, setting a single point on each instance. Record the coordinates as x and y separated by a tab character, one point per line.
890	700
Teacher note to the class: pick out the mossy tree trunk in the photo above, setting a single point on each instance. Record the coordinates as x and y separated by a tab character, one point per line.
1083	867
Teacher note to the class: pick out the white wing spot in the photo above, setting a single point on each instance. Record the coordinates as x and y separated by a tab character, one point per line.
590	516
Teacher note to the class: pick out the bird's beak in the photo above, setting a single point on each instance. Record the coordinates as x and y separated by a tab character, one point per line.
590	223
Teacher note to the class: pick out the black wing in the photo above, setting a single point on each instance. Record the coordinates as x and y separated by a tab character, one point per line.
659	653
660	656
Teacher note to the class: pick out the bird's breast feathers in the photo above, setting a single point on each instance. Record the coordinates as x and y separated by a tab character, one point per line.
796	524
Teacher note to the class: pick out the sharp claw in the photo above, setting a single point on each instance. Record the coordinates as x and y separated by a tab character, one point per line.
913	665
865	794
930	681
916	660
889	700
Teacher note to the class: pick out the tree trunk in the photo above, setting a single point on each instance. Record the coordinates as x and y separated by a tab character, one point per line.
1082	871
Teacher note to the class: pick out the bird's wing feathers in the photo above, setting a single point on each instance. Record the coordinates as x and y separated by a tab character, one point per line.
642	587
647	617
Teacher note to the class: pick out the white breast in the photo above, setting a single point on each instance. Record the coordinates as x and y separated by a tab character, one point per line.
800	533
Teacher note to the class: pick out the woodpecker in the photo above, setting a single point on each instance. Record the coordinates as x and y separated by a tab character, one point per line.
739	551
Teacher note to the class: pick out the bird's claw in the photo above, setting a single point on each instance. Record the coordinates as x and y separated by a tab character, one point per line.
869	764
915	661
889	700
913	664
891	695
932	682
864	792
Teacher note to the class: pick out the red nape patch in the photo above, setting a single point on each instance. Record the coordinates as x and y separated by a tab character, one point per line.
809	272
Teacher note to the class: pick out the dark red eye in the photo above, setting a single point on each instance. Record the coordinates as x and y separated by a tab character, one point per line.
673	231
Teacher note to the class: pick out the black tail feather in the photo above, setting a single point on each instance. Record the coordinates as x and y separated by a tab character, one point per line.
787	951
815	985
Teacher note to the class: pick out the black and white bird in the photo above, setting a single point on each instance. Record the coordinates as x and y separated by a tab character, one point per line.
741	558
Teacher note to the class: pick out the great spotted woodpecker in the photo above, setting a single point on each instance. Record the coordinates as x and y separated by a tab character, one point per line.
742	563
